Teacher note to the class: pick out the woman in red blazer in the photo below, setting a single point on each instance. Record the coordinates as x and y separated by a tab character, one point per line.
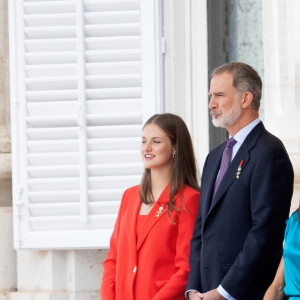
149	247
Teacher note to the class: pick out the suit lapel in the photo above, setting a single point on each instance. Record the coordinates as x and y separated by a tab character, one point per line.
210	183
230	175
152	219
242	154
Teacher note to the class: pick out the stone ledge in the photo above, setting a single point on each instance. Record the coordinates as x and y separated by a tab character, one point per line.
53	296
4	295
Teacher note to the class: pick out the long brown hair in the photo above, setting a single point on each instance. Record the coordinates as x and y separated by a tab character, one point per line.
183	170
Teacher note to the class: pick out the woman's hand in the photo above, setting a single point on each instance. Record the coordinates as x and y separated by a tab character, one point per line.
275	290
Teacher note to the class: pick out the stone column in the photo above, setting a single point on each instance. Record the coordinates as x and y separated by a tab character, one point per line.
7	254
282	78
186	68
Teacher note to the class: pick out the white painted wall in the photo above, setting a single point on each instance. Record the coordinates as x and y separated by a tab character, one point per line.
282	78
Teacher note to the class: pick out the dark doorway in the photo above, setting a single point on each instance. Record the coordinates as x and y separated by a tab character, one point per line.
217	55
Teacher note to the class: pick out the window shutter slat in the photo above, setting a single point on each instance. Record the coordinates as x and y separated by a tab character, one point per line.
51	70
51	32
49	58
113	17
44	20
53	171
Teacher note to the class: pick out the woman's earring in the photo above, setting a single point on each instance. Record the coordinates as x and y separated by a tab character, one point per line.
174	154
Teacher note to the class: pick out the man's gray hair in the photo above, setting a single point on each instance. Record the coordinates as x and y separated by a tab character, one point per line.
245	79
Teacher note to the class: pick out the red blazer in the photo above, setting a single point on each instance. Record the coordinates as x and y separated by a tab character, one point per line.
156	265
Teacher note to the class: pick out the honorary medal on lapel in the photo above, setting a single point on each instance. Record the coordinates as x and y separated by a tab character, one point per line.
239	170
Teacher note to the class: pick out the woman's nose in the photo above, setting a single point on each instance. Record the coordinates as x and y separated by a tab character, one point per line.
148	146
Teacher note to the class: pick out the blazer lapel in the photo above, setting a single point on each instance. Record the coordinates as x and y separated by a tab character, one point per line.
242	154
132	212
152	218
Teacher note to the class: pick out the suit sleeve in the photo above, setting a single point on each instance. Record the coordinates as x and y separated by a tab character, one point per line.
175	287
107	289
271	188
194	277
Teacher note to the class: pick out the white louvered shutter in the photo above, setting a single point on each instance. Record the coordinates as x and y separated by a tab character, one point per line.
85	75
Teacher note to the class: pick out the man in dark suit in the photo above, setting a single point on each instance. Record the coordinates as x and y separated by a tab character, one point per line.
246	191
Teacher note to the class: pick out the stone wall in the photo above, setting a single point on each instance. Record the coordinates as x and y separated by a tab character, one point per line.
5	148
245	32
59	275
8	278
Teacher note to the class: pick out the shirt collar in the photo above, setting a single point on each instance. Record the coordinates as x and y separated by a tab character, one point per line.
241	135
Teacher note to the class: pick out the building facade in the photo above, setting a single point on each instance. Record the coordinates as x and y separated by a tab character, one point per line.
272	47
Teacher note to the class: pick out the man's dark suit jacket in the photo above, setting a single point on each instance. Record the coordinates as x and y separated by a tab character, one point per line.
238	236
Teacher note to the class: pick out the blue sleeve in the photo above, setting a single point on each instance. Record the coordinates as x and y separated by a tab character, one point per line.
289	222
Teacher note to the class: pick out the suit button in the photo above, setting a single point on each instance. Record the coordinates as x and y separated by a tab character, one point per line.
134	270
204	242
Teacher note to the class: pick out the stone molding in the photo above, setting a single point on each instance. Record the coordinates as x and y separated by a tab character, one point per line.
282	78
5	142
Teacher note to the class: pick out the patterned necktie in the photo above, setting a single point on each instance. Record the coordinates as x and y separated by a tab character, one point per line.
226	158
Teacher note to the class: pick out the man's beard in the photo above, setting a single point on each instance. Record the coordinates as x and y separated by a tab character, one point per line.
229	118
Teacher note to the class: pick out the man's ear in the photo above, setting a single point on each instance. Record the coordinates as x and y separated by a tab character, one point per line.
247	98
